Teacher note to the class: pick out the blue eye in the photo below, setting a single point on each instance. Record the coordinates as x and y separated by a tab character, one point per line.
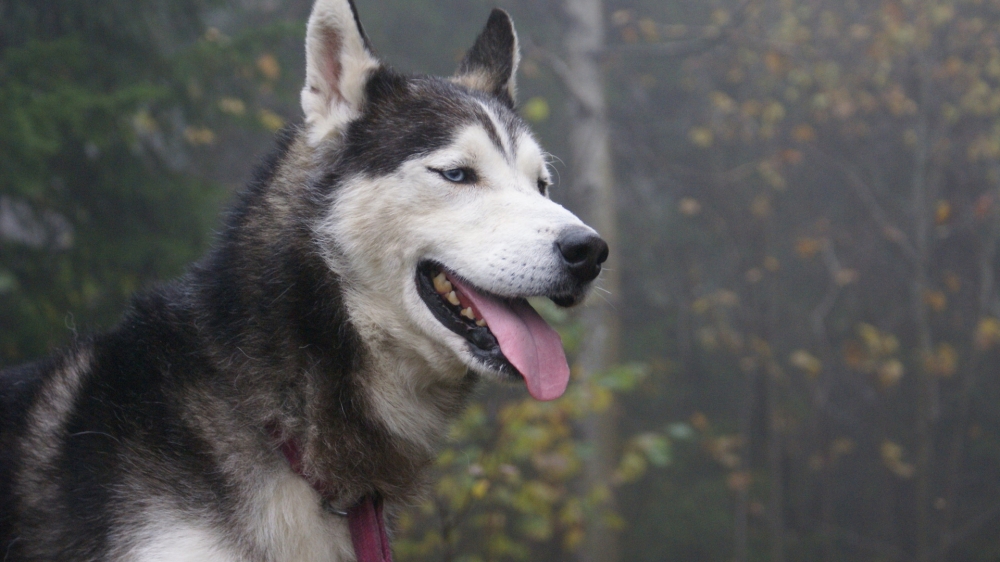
456	175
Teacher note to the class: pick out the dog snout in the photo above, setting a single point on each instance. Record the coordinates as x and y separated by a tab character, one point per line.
582	252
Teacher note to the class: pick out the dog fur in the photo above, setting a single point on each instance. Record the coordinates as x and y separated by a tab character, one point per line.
160	439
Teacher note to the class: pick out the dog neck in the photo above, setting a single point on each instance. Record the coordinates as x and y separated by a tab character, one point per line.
365	412
364	519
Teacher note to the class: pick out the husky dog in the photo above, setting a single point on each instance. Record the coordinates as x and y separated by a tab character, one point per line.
373	271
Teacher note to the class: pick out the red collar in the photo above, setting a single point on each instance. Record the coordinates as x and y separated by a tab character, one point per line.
367	524
365	519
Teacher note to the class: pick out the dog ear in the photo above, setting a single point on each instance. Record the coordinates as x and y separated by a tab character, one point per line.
492	62
339	61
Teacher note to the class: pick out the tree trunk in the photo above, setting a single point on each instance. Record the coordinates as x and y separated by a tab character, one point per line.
593	186
775	423
927	403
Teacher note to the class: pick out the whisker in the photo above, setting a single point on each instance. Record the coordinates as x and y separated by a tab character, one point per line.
609	303
101	433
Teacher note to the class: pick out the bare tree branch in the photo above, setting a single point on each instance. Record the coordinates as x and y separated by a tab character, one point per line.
857	540
822	310
561	69
682	49
970	528
874	208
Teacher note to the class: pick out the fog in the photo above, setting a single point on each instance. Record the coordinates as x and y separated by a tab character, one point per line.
793	351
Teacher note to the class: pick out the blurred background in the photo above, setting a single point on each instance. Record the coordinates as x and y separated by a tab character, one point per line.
794	351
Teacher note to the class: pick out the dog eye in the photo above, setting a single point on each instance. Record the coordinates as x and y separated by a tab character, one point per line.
458	175
542	186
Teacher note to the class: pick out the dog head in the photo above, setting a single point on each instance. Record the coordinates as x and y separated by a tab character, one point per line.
439	220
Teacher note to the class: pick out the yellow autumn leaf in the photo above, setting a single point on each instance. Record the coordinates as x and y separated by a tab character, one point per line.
739	481
871	336
632	466
775	62
537	109
772	175
689	206
942	212
699	421
943	14
891	452
845	277
841	446
144	123
761	206
953	282
601	399
792	157
773	113
726	298
805	361
892	456
890	373
721	17
943	362
621	17
708	338
573	538
803	134
232	106
806	248
725	450
271	120
701	306
480	488
987	333
751	108
702	137
198	136
268	65
936	300
878	343
854	355
650	30
722	102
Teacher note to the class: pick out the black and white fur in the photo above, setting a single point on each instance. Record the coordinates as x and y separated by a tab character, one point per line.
159	441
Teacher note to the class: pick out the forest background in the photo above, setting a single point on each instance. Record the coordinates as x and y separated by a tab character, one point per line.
800	334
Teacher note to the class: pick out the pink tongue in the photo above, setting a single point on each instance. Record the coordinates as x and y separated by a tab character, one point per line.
528	342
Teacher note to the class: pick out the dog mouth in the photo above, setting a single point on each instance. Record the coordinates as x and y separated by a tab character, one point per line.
504	334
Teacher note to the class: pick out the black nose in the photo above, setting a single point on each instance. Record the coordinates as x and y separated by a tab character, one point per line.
583	252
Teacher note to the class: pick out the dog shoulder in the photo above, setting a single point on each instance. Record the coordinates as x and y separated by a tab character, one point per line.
36	399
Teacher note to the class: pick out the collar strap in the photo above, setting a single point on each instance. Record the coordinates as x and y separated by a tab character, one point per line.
365	520
367	524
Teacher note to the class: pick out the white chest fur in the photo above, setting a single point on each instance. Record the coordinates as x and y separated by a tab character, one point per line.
284	522
292	526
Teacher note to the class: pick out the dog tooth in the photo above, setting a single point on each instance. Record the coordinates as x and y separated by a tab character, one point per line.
452	298
441	284
481	323
468	313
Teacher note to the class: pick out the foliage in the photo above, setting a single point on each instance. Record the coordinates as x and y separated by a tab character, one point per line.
810	195
508	486
89	212
833	204
101	131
